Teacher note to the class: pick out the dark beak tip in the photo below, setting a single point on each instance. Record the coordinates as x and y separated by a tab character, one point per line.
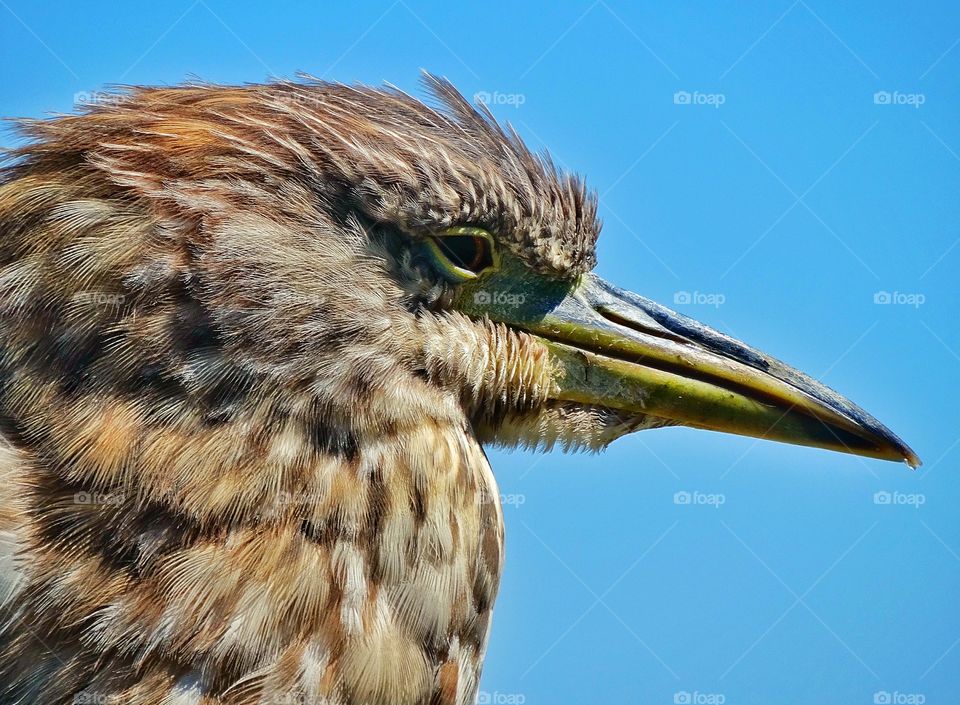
897	449
911	459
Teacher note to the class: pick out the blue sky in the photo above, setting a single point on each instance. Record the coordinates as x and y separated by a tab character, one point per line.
786	166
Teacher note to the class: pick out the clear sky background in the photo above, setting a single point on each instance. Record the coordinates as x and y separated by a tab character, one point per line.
783	197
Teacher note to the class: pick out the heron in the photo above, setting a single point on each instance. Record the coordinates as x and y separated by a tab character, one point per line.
253	343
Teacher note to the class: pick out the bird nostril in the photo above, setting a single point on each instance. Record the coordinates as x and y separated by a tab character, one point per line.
651	328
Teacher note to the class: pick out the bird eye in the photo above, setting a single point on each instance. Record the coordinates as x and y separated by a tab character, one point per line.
463	253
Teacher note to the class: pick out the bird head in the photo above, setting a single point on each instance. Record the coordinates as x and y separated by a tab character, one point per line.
374	261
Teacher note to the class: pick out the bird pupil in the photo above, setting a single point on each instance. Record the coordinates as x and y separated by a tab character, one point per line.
467	252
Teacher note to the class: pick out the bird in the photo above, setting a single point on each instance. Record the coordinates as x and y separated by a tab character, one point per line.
254	341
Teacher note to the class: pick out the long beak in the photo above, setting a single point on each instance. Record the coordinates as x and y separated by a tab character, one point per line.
625	352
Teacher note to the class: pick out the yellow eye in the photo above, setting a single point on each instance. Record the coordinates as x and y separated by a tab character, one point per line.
463	253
